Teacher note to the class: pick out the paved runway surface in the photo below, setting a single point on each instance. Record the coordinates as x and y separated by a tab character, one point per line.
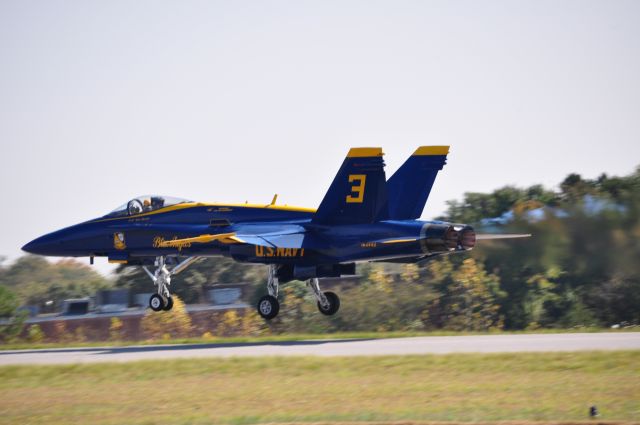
347	347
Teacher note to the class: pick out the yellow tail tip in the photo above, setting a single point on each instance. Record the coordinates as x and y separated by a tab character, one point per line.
364	152
432	150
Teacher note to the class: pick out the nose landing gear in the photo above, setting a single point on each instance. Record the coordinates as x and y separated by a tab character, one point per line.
162	300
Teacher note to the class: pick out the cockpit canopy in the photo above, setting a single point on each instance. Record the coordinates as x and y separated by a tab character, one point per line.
144	204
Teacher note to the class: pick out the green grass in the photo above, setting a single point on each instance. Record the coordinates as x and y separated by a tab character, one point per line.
462	388
295	337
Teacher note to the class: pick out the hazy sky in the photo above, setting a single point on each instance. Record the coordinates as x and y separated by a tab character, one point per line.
237	100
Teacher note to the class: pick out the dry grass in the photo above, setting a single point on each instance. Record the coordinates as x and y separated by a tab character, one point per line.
458	388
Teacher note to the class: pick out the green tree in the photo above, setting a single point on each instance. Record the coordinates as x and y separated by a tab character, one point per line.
469	296
14	320
581	264
35	281
8	302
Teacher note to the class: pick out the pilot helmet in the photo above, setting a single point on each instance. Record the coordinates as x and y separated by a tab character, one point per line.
157	202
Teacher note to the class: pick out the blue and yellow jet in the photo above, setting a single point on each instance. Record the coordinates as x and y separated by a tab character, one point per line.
363	217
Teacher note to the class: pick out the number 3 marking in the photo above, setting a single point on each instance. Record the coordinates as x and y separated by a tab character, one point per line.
357	189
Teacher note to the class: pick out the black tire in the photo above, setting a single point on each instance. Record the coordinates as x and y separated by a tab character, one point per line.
168	305
156	302
268	307
334	304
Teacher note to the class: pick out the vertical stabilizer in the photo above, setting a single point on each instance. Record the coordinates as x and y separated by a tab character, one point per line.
409	187
358	193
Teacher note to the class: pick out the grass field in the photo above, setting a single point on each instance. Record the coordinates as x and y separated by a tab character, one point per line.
470	387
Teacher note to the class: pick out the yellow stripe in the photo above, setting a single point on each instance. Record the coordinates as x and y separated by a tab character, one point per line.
222	237
364	152
203	204
400	240
233	239
118	261
432	150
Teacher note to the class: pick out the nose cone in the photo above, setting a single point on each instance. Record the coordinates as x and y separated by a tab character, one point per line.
30	247
73	241
53	244
44	245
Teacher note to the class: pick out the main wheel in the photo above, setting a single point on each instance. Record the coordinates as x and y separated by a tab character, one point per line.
268	307
156	302
334	304
169	304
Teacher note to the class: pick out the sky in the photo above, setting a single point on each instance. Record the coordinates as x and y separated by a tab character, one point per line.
233	101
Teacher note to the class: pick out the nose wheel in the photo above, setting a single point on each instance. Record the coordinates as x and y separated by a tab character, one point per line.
169	304
159	303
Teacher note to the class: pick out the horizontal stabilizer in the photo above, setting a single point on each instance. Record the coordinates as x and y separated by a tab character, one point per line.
393	241
491	236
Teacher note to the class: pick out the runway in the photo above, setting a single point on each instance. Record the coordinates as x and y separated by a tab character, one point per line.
332	348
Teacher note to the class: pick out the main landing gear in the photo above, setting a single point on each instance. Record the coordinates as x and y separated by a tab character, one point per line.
328	302
161	278
268	306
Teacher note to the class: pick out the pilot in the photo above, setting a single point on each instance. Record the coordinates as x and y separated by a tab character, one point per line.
157	202
147	205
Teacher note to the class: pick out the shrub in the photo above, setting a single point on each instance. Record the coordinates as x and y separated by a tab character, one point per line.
35	334
175	323
115	329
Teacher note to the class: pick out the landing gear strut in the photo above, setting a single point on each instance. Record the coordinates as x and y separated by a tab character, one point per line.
161	278
328	302
268	306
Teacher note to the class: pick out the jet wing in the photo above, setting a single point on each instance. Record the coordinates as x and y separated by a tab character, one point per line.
272	235
275	241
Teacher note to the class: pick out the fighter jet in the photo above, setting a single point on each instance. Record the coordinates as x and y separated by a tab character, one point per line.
362	217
